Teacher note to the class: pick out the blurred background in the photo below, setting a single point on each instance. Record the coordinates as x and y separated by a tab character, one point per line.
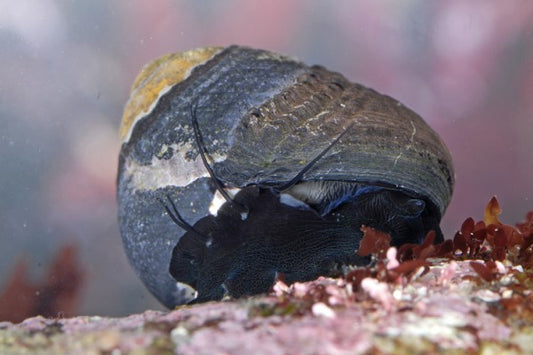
66	68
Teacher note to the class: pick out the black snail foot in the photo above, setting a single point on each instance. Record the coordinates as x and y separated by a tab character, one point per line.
229	254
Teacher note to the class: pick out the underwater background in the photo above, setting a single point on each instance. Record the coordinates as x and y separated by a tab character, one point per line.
66	68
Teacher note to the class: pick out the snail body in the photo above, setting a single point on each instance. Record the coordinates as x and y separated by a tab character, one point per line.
263	119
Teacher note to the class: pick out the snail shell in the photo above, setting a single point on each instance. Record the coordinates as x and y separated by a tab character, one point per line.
263	117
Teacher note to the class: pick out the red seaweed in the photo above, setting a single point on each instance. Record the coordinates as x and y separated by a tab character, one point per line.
56	295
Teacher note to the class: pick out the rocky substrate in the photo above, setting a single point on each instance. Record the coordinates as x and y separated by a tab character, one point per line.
449	308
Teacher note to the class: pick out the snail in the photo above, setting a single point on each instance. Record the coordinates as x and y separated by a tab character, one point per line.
239	166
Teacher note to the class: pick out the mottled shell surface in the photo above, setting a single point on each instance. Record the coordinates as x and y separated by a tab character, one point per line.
262	116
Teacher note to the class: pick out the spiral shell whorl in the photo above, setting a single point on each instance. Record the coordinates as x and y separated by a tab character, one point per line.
155	79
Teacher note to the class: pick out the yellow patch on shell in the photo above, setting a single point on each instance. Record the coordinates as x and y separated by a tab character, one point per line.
156	78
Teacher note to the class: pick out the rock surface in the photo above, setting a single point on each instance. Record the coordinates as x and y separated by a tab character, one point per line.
449	308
